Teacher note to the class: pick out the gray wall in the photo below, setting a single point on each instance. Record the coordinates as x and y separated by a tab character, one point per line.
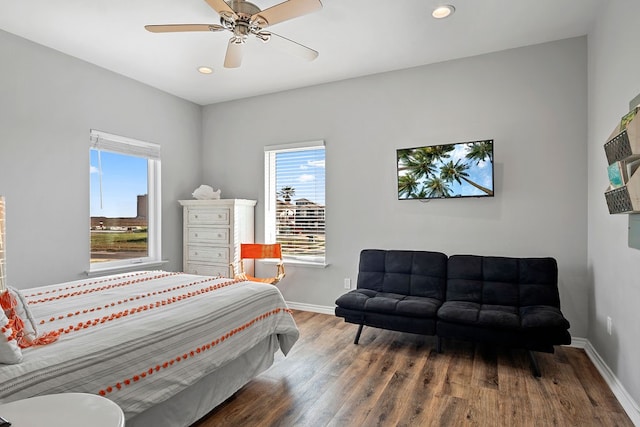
614	291
532	101
48	104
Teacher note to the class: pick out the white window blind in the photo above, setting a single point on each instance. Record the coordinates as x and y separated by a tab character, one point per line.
103	141
295	194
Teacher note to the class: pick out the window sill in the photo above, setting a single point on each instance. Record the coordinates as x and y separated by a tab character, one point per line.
296	262
125	268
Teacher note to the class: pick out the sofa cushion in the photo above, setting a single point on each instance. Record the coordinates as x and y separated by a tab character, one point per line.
542	316
413	273
369	301
484	280
355	300
539	282
503	281
486	315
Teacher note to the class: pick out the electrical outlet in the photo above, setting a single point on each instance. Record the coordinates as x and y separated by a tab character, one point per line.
609	325
347	283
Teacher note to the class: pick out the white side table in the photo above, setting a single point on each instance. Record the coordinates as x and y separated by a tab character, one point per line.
63	410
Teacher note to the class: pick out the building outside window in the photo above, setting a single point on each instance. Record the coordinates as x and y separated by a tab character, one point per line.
295	200
124	201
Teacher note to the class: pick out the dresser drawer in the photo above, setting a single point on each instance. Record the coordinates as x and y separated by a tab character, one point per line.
208	254
208	235
207	270
208	216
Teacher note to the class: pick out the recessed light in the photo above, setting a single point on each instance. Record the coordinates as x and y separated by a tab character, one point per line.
443	11
205	70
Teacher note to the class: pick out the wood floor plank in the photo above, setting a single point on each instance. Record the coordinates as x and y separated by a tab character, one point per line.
568	397
486	401
422	392
323	410
398	379
459	371
592	382
367	391
390	405
485	367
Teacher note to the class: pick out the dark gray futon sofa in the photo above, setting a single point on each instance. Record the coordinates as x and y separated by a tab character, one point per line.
506	301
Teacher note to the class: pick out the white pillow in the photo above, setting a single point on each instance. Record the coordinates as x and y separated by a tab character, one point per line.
30	331
10	353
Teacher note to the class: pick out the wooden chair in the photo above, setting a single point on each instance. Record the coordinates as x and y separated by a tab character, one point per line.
259	251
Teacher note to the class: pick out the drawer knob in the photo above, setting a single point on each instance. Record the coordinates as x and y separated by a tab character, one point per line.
219	235
195	253
196	216
196	234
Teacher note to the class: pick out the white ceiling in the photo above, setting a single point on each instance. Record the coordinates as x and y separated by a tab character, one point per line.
354	38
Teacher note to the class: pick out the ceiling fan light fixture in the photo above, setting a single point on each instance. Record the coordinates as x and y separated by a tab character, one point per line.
205	70
443	11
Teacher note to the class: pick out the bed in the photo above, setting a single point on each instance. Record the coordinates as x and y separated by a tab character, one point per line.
166	347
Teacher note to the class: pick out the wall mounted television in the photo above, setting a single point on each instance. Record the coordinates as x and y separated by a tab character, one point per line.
463	169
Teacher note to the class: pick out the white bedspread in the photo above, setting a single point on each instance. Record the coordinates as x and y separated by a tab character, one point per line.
140	338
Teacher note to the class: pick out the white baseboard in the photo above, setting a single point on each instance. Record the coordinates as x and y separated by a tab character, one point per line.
628	404
312	308
578	342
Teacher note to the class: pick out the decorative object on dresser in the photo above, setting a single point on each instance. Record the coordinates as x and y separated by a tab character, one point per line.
253	251
205	192
212	233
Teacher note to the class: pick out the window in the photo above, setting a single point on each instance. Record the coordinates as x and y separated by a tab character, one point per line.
124	201
295	200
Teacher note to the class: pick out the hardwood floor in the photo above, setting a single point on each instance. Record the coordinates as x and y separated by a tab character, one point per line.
398	379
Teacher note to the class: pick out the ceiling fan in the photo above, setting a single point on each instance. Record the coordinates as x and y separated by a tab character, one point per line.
244	19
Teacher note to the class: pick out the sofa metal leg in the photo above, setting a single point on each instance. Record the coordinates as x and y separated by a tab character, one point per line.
358	334
535	369
438	344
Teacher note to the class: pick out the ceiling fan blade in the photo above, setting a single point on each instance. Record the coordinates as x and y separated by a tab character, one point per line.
223	9
290	46
175	28
235	50
287	10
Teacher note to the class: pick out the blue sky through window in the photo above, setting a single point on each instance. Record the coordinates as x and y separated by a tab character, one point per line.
304	171
124	178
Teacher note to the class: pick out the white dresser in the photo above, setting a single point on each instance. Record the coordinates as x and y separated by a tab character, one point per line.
212	233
